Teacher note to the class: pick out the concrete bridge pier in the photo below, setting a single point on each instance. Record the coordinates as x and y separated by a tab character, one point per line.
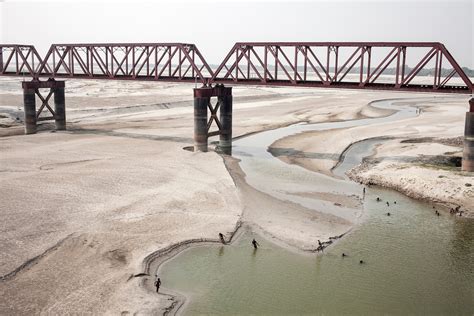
468	152
29	104
201	103
60	108
224	100
203	122
31	91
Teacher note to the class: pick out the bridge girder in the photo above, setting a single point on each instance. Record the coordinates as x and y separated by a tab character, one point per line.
348	65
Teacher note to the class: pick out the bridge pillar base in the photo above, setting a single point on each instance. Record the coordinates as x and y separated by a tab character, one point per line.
200	122
30	91
225	138
468	152
60	108
202	125
29	104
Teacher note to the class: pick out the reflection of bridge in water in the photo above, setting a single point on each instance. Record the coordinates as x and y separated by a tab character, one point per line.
348	65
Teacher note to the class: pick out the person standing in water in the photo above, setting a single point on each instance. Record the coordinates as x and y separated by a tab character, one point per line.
221	237
157	284
255	244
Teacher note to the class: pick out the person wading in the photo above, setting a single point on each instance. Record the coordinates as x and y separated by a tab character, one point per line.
255	244
157	284
221	237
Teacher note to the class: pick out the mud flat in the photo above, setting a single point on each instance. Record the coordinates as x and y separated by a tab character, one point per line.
420	156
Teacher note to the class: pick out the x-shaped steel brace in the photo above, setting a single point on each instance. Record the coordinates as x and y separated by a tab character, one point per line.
214	116
45	102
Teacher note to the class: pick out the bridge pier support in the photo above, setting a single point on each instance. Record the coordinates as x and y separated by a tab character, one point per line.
200	121
30	91
223	121
60	108
468	152
29	104
224	99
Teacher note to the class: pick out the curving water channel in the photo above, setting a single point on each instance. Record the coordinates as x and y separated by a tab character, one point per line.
414	262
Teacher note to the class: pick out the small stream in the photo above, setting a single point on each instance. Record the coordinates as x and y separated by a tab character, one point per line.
292	183
414	261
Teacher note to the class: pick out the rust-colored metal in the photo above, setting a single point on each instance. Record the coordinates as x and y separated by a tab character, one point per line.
37	84
301	64
172	62
19	60
321	64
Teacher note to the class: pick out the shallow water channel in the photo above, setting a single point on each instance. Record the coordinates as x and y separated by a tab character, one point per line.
414	262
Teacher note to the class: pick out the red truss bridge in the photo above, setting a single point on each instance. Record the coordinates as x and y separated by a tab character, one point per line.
169	62
344	65
349	65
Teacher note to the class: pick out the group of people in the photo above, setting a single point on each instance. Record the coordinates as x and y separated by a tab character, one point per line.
451	211
456	210
388	204
255	244
360	261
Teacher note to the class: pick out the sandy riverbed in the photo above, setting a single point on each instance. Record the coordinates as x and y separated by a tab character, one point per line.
421	160
82	209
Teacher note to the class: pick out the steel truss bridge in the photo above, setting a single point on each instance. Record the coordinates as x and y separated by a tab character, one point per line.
350	65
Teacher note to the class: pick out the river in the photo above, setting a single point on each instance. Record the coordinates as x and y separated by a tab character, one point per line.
414	262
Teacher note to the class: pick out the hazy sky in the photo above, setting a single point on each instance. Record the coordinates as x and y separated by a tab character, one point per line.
215	25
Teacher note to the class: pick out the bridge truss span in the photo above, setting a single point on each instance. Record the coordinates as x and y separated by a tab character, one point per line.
155	62
359	65
19	60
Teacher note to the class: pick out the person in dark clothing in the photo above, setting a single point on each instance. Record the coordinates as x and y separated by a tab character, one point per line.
157	284
388	204
344	255
378	199
221	237
255	244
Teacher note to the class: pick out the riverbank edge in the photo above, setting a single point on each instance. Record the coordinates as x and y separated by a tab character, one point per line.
355	175
153	261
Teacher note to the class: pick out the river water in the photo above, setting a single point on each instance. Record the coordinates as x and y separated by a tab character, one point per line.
414	262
